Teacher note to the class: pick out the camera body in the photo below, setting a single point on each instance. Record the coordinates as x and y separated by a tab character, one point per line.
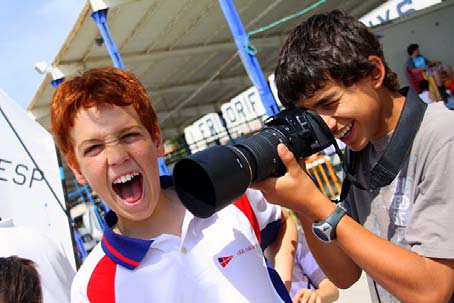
211	179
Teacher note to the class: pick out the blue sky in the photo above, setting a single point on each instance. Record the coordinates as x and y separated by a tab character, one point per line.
31	31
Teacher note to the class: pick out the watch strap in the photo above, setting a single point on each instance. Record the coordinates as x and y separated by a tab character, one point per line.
325	230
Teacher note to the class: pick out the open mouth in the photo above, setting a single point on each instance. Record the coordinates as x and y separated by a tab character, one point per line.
345	132
129	187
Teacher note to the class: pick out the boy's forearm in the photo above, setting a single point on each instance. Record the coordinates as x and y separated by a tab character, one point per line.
405	274
333	261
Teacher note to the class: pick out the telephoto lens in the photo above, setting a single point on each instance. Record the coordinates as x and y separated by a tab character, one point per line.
209	180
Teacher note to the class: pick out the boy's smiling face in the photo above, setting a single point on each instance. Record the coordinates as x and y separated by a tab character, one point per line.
117	157
354	113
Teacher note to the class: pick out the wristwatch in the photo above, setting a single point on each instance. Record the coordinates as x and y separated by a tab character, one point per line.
325	230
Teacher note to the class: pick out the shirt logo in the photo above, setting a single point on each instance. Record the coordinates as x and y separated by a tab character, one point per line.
224	260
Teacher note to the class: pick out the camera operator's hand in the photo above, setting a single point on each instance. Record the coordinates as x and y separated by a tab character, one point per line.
295	189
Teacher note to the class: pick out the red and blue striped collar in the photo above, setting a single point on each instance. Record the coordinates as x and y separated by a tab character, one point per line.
123	250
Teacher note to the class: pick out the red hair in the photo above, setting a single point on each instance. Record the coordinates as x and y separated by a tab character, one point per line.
94	88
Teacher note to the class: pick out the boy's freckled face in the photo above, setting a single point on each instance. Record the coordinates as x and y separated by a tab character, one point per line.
352	113
118	159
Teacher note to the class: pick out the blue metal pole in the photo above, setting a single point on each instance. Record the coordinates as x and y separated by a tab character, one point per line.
81	251
250	61
100	18
56	82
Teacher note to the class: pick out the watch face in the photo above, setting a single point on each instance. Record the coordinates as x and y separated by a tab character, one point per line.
323	231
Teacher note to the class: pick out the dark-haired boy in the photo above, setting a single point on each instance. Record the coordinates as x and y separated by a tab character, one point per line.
397	228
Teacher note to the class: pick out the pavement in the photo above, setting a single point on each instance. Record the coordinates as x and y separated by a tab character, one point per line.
357	293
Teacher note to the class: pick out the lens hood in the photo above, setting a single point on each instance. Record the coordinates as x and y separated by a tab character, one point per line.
208	181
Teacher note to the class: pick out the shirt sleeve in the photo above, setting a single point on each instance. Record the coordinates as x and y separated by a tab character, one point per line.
430	231
268	216
265	212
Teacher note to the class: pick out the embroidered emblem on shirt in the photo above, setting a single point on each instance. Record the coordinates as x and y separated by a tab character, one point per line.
225	260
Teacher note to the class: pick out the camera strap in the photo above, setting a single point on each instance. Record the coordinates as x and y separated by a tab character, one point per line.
388	166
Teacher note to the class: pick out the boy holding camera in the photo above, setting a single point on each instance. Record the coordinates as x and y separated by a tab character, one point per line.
153	249
394	221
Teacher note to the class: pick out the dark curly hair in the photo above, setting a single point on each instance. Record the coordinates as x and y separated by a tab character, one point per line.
327	46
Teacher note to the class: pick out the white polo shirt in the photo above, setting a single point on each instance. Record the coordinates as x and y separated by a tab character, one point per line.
217	259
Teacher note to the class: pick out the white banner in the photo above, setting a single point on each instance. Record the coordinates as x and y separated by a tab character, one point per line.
394	9
243	114
273	88
25	196
206	129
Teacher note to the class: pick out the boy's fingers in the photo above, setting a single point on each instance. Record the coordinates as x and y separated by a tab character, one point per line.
288	159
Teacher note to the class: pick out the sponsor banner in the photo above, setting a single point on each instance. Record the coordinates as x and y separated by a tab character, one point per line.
243	114
394	9
207	129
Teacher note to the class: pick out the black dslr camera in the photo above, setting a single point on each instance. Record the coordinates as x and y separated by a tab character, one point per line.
211	179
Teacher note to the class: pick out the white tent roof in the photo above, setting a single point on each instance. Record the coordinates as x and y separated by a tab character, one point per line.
182	51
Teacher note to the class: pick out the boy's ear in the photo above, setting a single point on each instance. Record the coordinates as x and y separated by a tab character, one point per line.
378	74
158	141
77	173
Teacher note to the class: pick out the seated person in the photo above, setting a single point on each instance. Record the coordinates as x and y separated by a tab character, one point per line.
153	249
19	281
418	63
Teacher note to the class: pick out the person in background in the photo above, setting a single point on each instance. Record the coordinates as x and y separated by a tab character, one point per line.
395	216
19	281
153	249
54	268
417	63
